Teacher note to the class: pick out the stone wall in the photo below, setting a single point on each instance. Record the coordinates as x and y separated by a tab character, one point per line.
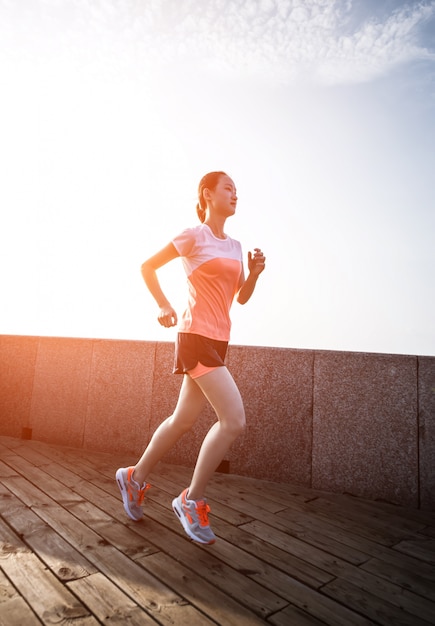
340	421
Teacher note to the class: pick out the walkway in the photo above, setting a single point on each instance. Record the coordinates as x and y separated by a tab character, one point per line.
285	555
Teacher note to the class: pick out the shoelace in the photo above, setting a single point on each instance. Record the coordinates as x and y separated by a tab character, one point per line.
202	510
140	493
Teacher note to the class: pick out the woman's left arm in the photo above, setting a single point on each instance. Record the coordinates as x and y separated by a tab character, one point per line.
256	264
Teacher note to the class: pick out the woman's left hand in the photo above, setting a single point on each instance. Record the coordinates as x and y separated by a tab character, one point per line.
256	262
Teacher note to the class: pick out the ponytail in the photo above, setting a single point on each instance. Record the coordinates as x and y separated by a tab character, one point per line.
200	212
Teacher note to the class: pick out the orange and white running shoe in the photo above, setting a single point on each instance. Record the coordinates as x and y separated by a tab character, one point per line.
193	515
132	493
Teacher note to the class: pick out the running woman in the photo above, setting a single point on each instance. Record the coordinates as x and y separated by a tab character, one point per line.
213	263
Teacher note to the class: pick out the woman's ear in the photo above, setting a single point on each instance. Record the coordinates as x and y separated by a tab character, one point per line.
206	194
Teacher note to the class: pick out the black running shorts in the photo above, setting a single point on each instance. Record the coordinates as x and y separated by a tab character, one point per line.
191	349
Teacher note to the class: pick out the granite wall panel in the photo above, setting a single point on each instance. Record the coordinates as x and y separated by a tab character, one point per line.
365	438
120	391
276	385
60	390
17	370
426	404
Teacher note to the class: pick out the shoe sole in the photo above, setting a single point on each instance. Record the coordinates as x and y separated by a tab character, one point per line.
124	495
185	525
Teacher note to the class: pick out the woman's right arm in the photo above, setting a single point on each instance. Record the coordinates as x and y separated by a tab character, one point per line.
167	316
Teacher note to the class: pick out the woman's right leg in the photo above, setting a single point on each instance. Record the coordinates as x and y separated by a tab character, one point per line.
191	402
220	389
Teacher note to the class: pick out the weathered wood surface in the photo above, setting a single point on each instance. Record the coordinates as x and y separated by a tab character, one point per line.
285	554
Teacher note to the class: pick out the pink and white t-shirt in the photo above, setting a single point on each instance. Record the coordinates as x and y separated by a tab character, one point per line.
213	267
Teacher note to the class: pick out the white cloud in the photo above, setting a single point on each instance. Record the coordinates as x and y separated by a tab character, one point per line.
279	40
376	47
306	41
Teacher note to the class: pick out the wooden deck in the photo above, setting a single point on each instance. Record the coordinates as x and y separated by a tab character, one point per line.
285	555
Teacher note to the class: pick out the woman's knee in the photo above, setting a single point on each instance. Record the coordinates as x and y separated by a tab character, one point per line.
235	423
182	423
191	403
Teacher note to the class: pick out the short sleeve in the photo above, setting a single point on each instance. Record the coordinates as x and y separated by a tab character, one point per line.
185	242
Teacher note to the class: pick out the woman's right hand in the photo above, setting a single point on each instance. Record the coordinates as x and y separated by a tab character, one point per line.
167	316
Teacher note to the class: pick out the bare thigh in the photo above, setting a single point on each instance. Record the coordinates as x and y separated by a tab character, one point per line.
223	394
191	402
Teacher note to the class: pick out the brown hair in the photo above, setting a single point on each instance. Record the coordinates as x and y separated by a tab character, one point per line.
209	181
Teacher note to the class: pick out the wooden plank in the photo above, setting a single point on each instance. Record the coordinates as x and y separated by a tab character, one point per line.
9	442
272	555
393	593
321	536
321	532
65	457
152	595
25	491
384	510
238	486
306	520
14	610
108	603
377	532
347	618
400	560
63	560
289	565
46	483
317	530
304	551
420	547
229	576
292	615
70	526
79	456
373	607
429	531
403	577
170	542
107	528
48	598
112	531
31	455
388	592
205	596
283	493
324	535
163	489
111	605
6	470
170	475
61	473
203	562
371	516
323	608
267	576
143	587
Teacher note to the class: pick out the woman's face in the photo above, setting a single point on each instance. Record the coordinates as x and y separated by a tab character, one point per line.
224	196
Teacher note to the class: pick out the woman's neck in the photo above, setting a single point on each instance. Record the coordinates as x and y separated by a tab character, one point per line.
217	227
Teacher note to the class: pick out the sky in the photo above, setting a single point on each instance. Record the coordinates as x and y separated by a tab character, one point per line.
322	112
